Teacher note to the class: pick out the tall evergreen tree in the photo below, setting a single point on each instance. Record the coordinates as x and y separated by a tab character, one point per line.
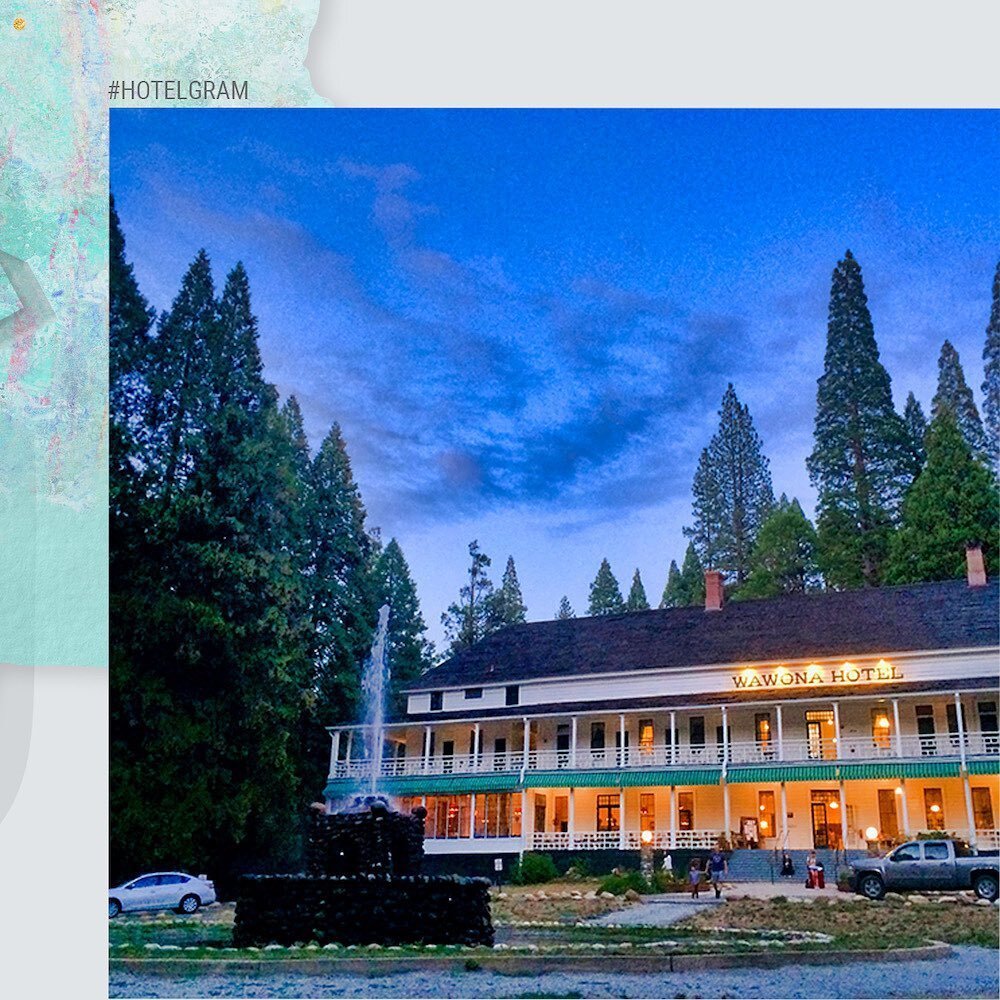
955	394
565	609
732	492
784	558
470	618
605	594
409	651
916	431
991	379
181	379
508	604
636	600
671	590
858	463
343	601
953	503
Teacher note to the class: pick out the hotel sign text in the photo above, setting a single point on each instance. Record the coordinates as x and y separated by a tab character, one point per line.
848	673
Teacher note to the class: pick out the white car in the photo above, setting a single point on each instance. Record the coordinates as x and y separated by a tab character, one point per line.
161	891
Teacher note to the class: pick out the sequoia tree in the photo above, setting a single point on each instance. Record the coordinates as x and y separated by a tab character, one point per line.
952	504
732	492
784	559
508	604
955	394
859	460
991	378
916	432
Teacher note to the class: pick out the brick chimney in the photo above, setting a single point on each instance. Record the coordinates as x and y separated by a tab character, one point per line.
974	566
714	591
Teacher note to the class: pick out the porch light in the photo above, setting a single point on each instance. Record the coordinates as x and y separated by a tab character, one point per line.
763	824
646	836
871	833
899	789
834	804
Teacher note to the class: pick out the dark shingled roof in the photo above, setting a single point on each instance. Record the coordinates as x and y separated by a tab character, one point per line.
928	616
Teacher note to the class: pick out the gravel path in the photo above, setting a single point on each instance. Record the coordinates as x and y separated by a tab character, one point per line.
970	972
656	911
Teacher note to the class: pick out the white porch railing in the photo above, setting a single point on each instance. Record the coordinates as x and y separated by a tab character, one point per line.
661	756
988	840
591	840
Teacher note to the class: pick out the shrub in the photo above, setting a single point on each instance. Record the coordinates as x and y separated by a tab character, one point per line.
579	868
619	884
533	869
668	881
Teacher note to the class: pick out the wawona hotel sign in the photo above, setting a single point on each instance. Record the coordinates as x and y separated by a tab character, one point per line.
848	673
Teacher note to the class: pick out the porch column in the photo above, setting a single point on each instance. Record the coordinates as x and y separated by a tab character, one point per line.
905	810
725	808
961	729
673	742
621	739
572	817
621	818
334	751
525	842
781	733
970	815
572	749
895	725
784	816
527	744
725	735
347	752
475	747
836	730
673	817
427	749
472	815
843	816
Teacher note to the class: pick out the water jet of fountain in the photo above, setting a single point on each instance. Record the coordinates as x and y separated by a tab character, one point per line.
374	684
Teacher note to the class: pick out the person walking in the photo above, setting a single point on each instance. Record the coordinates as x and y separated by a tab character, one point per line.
694	876
717	867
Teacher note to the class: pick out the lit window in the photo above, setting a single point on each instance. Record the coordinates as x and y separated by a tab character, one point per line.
881	729
934	808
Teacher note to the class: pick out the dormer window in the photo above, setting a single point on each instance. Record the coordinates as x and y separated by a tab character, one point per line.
437	701
472	694
512	695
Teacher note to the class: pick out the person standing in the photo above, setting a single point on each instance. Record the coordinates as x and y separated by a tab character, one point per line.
717	868
694	876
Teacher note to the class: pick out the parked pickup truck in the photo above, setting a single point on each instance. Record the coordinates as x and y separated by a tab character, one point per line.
927	865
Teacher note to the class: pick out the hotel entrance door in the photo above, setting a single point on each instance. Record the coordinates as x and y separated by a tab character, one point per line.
825	811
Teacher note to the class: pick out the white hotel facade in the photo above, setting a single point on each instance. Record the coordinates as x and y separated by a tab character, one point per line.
824	720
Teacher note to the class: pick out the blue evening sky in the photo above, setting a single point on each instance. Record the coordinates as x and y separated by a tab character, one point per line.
525	321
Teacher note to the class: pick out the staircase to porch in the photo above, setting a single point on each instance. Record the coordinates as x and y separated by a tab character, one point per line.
757	866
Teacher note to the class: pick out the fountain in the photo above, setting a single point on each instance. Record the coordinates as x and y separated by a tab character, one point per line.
362	883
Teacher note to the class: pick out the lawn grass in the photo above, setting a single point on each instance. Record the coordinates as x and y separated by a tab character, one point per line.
855	923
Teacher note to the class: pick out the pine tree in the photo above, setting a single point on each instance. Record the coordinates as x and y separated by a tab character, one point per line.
565	609
636	600
470	618
916	431
732	492
784	558
991	379
605	594
409	651
508	604
955	394
858	463
953	503
671	590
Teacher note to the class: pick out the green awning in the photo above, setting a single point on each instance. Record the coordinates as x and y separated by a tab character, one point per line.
431	784
621	779
884	770
782	772
984	767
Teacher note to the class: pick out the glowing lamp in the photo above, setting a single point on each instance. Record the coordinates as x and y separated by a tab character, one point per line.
763	824
899	789
834	804
935	808
871	833
762	807
646	836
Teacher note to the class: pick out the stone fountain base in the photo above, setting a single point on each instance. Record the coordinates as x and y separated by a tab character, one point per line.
360	909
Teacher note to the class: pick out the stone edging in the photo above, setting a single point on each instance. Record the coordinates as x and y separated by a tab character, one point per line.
525	965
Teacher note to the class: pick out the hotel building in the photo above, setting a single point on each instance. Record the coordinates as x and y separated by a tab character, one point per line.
824	720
